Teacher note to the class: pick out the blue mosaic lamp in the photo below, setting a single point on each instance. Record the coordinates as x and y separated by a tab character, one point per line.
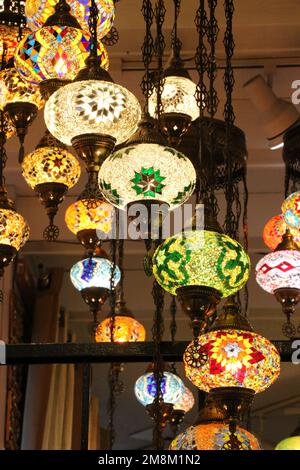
95	277
172	388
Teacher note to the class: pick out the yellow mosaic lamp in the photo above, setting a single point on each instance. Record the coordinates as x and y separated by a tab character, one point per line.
37	12
51	170
120	329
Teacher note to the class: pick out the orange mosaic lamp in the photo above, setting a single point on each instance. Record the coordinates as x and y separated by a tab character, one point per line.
120	330
214	436
9	40
274	230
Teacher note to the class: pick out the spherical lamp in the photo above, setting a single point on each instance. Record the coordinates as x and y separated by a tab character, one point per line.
214	436
201	266
121	328
147	172
51	171
20	101
86	220
291	210
37	12
278	273
290	443
232	358
56	51
94	278
187	401
274	230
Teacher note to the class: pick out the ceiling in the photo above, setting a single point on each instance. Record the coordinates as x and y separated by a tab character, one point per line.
267	42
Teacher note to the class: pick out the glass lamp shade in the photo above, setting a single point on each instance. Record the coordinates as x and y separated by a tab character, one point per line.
94	272
290	443
172	388
9	40
14	230
278	270
213	436
14	89
54	52
291	210
50	165
147	171
92	106
186	402
274	230
125	329
201	258
79	216
232	358
178	96
38	11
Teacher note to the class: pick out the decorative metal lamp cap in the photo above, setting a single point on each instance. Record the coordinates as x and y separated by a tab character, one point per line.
147	132
231	319
93	71
288	242
62	16
176	68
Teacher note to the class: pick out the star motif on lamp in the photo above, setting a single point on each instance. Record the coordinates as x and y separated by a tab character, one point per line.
148	182
232	354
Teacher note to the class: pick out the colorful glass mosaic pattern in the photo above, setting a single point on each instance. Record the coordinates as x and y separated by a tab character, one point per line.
95	272
186	402
38	11
125	329
178	96
92	106
51	165
290	443
214	436
201	258
14	89
172	388
274	230
54	52
147	171
14	230
9	128
279	269
291	210
232	358
9	40
82	216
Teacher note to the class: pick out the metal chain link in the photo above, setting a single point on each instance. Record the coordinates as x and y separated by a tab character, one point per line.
159	47
147	84
93	24
176	43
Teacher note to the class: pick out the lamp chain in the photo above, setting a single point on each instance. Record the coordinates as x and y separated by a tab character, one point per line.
173	324
159	47
147	51
176	43
3	154
93	23
201	61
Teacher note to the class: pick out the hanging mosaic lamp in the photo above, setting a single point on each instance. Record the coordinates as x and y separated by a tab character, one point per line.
94	277
37	12
278	273
214	436
178	94
201	267
51	170
274	230
57	50
232	362
172	388
87	218
14	231
291	210
20	101
121	328
147	171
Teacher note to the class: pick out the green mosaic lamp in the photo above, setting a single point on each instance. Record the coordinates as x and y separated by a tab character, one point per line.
201	267
147	171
